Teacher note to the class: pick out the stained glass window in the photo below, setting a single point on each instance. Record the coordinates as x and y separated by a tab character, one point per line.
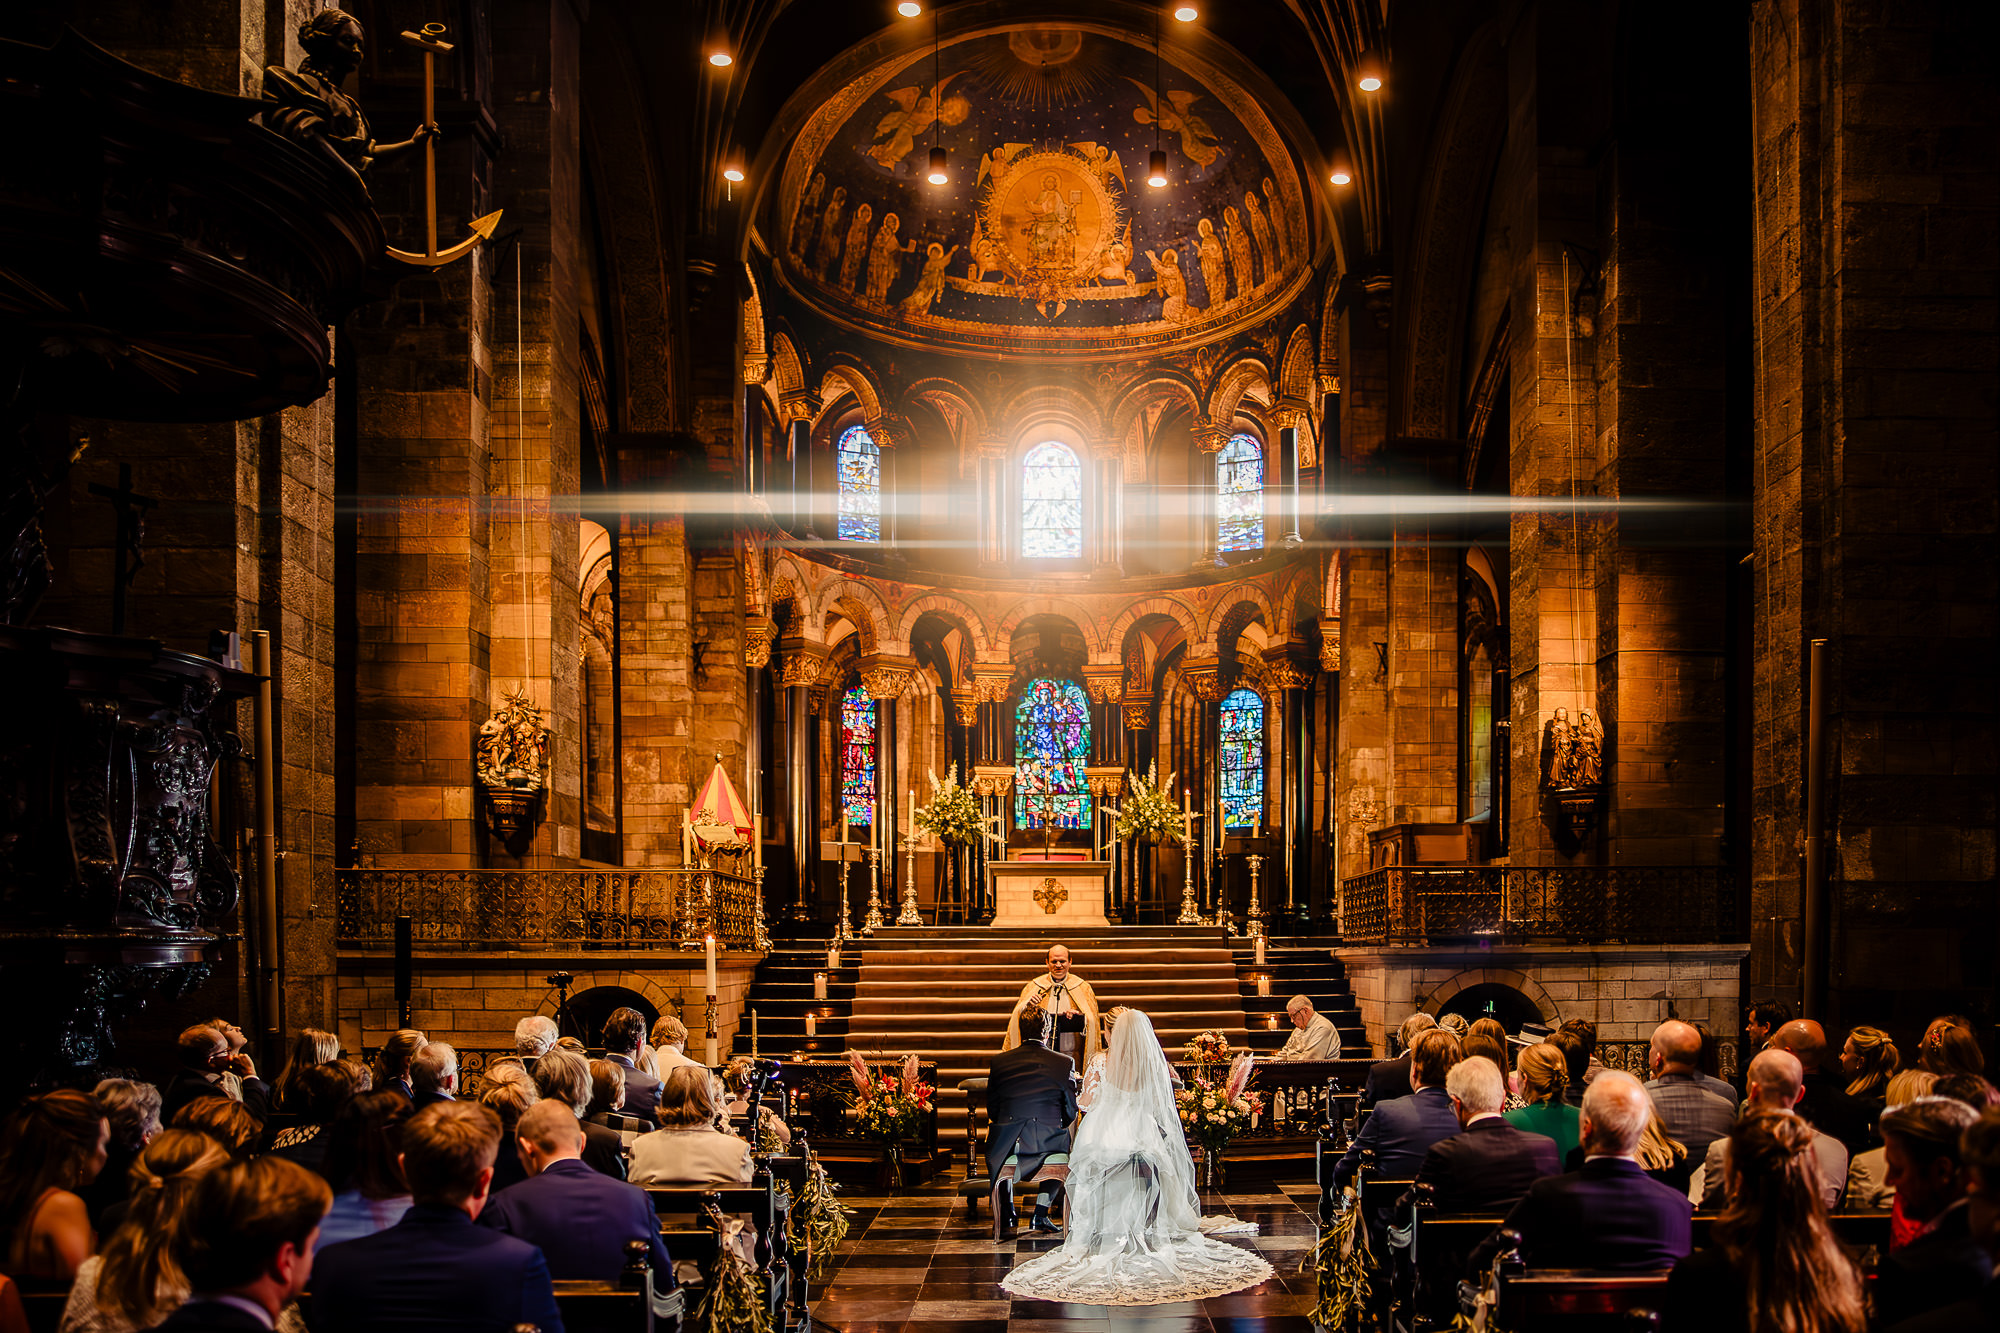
1242	759
857	756
1051	502
860	466
1239	495
1051	746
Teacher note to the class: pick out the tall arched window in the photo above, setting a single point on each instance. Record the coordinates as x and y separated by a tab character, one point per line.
1239	495
857	756
1051	747
860	466
1051	502
1242	759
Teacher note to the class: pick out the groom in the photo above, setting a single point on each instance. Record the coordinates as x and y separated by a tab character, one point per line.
1030	1100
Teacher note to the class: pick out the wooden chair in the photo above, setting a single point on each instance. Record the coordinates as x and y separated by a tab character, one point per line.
624	1306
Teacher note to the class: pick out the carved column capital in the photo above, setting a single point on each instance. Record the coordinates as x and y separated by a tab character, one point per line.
890	432
990	684
887	680
1104	685
1138	713
1205	680
799	664
992	780
799	405
1329	644
759	634
967	711
1208	437
1286	667
1104	783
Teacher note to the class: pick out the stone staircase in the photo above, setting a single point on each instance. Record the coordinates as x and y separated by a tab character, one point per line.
945	993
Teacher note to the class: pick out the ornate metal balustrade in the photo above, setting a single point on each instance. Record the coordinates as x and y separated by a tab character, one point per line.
1417	905
501	910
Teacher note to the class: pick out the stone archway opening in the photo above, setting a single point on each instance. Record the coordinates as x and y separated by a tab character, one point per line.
1493	999
584	1019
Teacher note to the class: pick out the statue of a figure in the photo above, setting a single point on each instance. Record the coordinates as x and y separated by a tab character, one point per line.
308	107
1587	767
1572	753
512	749
1556	751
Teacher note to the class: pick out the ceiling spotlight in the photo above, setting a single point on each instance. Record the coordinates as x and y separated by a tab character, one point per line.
938	175
732	172
1342	174
1156	170
1186	13
1368	77
909	9
720	58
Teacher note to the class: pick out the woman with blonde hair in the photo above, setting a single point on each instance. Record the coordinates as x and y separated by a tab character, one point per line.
1949	1047
1544	1077
1870	1060
1662	1156
392	1062
311	1047
687	1149
137	1281
666	1047
1773	1260
1868	1174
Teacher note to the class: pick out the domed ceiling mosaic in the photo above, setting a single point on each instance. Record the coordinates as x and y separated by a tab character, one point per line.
1047	237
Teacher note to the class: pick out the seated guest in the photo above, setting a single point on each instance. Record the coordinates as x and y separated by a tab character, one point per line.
1868	1172
563	1076
1490	1164
1402	1130
571	1044
136	1282
310	1048
509	1099
434	1074
533	1036
240	1079
204	1057
1825	1105
49	1146
359	1073
1585	1033
1577	1064
434	1269
607	1101
1949	1047
316	1095
736	1084
624	1033
1609	1214
1943	1262
687	1149
1971	1089
1032	1097
1868	1060
1773	1262
1315	1037
134	1112
363	1144
1776	1084
580	1219
1661	1156
247	1247
1697	1109
392	1062
1979	1158
1389	1079
1544	1074
667	1048
227	1122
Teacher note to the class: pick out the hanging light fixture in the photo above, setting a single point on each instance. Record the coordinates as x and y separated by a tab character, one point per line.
938	174
1156	165
1156	169
720	58
1186	13
909	9
1368	75
1342	173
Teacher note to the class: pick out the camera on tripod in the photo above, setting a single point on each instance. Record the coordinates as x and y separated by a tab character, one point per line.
561	980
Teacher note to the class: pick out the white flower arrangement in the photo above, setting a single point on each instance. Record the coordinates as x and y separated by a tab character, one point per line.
953	814
1149	813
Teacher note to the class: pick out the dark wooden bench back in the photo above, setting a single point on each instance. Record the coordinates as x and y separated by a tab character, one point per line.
1576	1300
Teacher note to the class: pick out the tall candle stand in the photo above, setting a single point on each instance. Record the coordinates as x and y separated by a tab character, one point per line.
1253	926
909	916
873	921
1190	912
841	933
1223	916
760	933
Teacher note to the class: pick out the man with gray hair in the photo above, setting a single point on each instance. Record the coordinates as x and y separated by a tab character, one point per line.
1489	1164
1693	1108
533	1036
1611	1214
434	1074
1316	1037
1390	1079
1776	1082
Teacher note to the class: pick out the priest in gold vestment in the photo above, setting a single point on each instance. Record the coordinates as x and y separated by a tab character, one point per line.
1070	1001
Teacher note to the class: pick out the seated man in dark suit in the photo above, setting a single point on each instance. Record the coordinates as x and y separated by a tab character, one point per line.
1491	1164
434	1074
205	1057
1402	1129
435	1269
1825	1103
1609	1215
1945	1262
1390	1079
580	1218
624	1032
248	1244
1030	1101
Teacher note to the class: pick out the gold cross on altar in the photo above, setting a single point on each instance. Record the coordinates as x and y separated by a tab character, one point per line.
1051	895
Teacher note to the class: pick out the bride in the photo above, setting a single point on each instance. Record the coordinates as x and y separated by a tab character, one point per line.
1135	1225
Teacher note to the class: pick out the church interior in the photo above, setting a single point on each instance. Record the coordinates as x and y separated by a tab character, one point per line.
1484	509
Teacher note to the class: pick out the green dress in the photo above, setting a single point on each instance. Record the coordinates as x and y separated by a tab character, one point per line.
1555	1119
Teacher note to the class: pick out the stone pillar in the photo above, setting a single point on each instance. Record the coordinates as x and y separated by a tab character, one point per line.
799	670
995	514
887	680
1107	511
1136	713
655	670
1285	669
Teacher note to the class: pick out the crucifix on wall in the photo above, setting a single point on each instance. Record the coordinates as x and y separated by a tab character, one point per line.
131	509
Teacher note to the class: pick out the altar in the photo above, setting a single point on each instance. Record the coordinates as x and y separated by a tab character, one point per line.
1051	893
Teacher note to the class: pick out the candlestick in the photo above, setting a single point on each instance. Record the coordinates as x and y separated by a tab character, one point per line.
819	985
841	932
910	916
875	824
708	944
812	1024
1255	922
753	1034
1190	914
843	828
710	1038
833	958
1264	985
760	934
1259	940
873	921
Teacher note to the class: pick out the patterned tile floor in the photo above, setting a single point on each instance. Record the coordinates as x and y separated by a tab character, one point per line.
915	1263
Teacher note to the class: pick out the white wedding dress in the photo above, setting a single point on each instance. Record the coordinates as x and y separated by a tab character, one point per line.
1136	1233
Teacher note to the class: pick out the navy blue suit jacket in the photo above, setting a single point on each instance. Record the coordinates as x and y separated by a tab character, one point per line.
432	1270
1610	1215
581	1219
1401	1131
1489	1165
642	1090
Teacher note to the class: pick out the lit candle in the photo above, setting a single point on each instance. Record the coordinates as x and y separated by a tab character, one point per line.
1271	1022
708	942
819	985
753	1032
843	827
912	808
812	1023
1264	985
1260	952
833	959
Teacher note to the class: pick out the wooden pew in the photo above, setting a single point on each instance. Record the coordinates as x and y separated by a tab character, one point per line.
701	1240
42	1303
624	1306
1579	1301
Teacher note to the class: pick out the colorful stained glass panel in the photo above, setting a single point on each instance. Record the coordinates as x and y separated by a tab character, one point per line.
857	756
1051	502
1242	759
1051	747
860	467
1239	495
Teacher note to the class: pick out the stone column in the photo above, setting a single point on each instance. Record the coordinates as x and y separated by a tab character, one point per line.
799	670
1137	715
887	680
1204	680
995	513
1288	671
1107	511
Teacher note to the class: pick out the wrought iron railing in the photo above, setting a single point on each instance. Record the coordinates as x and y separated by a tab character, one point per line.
1414	905
502	910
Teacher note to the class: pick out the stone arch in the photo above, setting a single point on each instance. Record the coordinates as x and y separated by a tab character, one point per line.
1160	385
1086	624
1059	402
949	608
657	995
1244	598
756	352
843	378
1299	397
1172	608
788	376
948	398
859	605
1441	993
1235	383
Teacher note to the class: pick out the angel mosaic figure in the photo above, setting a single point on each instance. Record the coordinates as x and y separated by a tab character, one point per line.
1198	142
916	111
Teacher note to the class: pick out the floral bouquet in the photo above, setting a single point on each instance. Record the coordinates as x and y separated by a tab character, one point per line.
1149	813
891	1108
953	814
1207	1048
1213	1114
